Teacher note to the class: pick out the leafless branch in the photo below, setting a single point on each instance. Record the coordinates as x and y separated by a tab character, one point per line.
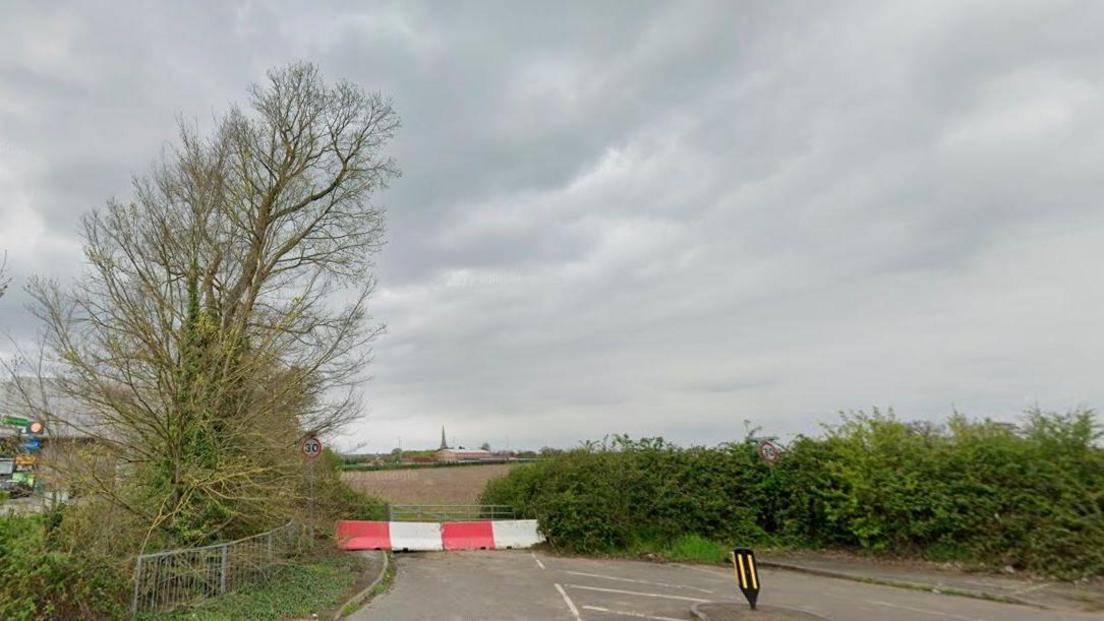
224	310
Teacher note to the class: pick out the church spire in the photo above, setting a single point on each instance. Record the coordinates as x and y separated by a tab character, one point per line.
444	445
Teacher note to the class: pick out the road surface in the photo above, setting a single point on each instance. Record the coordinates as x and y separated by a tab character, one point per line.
509	585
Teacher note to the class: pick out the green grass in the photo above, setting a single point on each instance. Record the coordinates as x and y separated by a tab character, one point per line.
695	548
311	585
686	548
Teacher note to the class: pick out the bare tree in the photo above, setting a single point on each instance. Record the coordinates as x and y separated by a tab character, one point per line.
223	314
4	279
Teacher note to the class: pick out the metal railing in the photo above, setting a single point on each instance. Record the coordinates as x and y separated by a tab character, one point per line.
165	580
449	513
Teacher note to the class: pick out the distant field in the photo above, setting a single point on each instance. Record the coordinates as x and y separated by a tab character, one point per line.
457	485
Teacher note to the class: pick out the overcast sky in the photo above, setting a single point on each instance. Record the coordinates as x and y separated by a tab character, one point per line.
645	218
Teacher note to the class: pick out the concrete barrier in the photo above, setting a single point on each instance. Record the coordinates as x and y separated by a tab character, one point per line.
363	535
468	535
429	536
516	534
416	536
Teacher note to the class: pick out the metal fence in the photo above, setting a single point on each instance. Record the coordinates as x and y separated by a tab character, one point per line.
449	513
164	580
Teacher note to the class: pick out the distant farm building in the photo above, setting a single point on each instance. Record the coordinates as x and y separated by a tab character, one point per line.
447	453
462	454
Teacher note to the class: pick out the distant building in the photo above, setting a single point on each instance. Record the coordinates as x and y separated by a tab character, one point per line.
462	454
67	424
65	419
447	453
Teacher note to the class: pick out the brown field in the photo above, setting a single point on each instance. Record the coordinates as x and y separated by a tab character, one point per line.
456	485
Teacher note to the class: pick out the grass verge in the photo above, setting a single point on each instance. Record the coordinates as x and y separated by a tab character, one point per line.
311	585
686	548
377	589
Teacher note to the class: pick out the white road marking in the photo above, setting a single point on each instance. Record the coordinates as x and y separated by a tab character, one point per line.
720	574
539	563
934	613
1031	589
640	593
619	579
638	615
570	604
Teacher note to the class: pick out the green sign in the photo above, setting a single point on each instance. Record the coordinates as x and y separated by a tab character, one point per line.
16	421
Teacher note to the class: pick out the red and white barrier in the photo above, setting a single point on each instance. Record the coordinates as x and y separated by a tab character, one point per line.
424	536
416	536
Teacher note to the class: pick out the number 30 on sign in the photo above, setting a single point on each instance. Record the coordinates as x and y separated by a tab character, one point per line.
311	447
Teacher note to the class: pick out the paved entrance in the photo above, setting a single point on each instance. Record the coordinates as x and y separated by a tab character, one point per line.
510	585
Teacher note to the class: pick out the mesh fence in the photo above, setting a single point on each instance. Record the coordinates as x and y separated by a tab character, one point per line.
165	580
449	513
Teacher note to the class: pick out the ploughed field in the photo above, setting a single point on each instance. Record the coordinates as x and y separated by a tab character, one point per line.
442	485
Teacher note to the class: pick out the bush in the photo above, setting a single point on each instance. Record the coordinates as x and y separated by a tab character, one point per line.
334	500
39	580
973	491
310	585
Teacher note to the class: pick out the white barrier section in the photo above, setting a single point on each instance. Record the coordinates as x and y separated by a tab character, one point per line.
416	536
515	534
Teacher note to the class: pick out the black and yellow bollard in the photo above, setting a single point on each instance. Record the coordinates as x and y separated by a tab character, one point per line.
747	574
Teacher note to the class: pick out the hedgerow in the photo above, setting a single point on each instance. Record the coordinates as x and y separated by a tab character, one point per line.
1031	498
40	578
75	561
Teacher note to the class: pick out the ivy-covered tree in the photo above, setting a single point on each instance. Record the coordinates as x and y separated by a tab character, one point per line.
223	314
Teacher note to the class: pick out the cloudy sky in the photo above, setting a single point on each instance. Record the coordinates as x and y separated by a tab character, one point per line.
652	218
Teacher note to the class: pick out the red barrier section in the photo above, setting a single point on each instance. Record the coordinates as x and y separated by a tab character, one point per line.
363	535
430	536
468	535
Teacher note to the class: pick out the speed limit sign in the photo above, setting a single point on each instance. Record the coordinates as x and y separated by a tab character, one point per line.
311	447
769	451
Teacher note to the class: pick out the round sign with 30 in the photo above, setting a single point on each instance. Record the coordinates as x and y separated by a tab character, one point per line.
311	447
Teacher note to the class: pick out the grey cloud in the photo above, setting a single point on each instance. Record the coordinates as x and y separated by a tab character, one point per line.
652	218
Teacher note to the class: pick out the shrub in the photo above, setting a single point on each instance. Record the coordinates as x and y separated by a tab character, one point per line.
38	580
975	491
334	500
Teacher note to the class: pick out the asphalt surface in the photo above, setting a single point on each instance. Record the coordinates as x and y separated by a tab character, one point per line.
507	585
1017	588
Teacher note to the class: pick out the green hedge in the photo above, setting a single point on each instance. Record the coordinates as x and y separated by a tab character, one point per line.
969	491
75	562
42	580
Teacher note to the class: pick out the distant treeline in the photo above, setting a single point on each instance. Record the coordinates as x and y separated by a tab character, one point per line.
436	464
1030	497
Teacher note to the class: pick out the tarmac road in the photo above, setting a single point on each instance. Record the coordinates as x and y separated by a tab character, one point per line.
509	585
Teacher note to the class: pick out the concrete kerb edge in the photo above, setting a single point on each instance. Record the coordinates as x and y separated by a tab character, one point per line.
359	599
698	613
902	584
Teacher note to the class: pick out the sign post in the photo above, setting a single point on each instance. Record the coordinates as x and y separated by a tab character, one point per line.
747	574
312	448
